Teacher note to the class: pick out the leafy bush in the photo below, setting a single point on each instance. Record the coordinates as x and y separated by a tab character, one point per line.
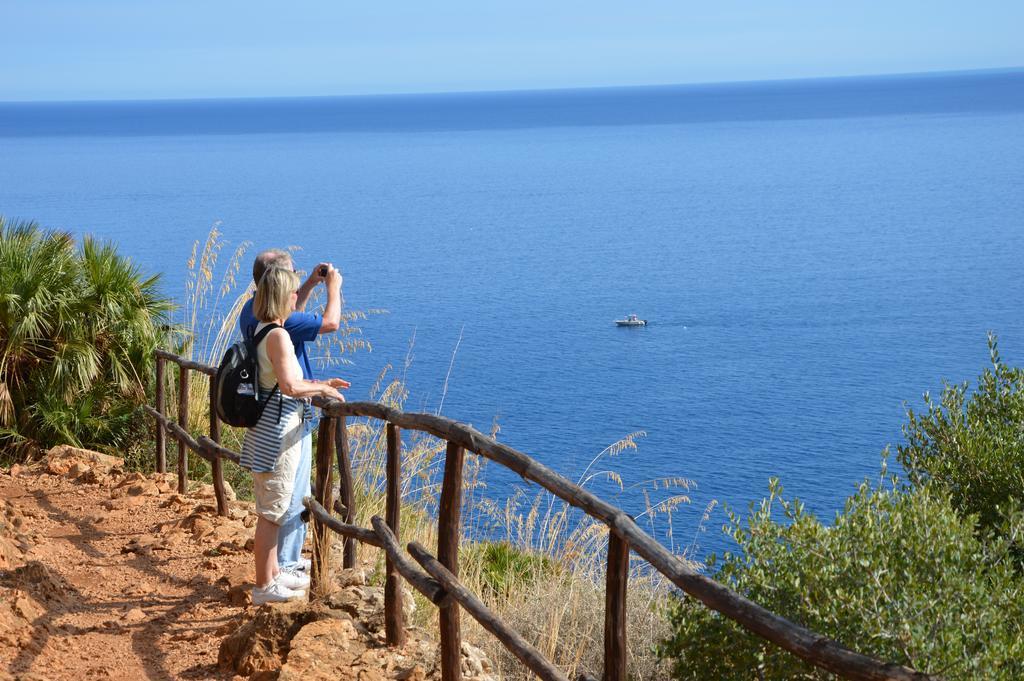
900	575
77	331
972	444
503	566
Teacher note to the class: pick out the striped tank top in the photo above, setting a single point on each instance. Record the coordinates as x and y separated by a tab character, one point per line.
282	424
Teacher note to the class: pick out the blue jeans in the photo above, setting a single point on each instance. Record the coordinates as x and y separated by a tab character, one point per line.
292	534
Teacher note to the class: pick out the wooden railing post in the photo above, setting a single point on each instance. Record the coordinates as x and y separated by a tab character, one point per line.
394	624
320	574
440	582
345	489
448	529
217	464
183	422
615	650
161	436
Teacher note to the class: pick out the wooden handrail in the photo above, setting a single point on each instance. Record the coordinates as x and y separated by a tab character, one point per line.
218	450
815	649
516	644
382	538
187	363
178	433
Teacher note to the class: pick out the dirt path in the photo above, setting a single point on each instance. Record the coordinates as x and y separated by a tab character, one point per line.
117	587
112	575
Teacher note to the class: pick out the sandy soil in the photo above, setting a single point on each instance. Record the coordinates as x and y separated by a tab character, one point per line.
113	575
117	587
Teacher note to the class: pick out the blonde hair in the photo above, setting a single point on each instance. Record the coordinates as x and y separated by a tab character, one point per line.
273	294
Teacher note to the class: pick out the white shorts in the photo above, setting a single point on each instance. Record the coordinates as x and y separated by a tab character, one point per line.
273	490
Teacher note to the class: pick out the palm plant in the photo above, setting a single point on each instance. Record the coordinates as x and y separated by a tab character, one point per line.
77	331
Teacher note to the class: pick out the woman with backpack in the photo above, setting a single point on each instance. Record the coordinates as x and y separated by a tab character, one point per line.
272	448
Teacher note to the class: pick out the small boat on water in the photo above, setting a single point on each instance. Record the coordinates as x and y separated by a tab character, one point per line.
631	320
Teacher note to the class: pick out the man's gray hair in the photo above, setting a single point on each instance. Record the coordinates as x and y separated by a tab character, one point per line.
272	257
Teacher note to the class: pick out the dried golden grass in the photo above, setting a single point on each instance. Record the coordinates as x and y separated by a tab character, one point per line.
560	610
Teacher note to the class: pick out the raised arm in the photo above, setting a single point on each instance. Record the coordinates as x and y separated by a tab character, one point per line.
332	312
331	320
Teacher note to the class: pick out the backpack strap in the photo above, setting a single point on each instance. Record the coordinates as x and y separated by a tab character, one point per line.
258	338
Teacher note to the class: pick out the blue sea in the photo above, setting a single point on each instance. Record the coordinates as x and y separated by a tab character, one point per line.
812	255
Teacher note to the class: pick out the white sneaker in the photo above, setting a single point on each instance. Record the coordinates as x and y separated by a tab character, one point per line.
292	578
302	565
275	592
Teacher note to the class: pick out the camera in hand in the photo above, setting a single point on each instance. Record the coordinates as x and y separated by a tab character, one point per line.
323	270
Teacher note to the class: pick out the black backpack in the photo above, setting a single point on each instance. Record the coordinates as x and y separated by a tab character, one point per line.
238	382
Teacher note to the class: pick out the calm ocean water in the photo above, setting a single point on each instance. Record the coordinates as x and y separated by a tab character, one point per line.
811	254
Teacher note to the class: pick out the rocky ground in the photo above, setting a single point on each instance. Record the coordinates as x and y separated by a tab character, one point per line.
112	575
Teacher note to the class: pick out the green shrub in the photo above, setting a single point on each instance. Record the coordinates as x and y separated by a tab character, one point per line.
900	575
972	443
502	566
77	331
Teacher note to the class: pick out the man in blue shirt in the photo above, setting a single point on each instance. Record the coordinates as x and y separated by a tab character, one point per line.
303	327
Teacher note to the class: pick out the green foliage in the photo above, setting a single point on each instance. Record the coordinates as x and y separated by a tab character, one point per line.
972	443
502	565
78	326
900	576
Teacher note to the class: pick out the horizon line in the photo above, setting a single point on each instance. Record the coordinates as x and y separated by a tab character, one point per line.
424	93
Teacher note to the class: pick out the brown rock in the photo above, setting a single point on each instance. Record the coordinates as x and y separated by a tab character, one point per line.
90	477
131	479
351	577
230	532
143	547
475	664
77	470
175	500
57	467
204	509
240	595
132	502
324	650
27	609
370	674
225	548
260	643
240	575
104	462
134	615
270	675
201	528
146	488
414	673
239	583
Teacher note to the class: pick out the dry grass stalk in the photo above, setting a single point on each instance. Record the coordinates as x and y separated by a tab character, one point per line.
558	601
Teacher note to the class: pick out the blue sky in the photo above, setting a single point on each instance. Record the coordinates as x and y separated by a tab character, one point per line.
138	49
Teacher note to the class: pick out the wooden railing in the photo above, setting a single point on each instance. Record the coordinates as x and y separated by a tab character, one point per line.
437	578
